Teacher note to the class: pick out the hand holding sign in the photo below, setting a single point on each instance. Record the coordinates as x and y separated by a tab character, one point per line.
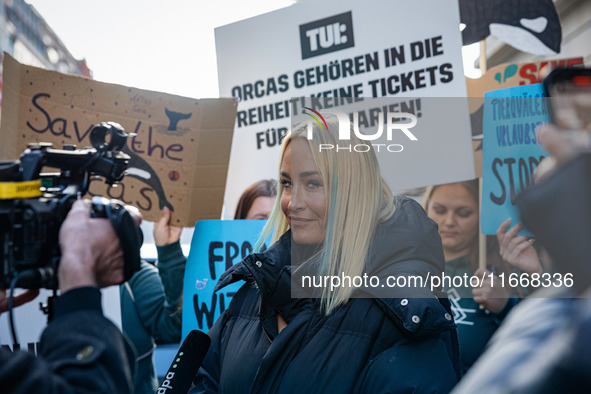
517	250
164	233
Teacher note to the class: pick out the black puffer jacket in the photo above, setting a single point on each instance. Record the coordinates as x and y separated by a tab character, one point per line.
80	351
392	344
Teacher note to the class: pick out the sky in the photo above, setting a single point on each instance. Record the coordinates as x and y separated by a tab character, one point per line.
154	45
165	46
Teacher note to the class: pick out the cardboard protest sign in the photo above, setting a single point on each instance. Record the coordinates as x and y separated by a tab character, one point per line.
216	246
30	322
179	154
511	152
328	50
504	76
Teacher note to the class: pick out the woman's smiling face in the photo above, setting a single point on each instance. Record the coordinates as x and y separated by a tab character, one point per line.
303	200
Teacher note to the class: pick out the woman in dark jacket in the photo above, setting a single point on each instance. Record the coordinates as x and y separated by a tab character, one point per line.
478	311
292	327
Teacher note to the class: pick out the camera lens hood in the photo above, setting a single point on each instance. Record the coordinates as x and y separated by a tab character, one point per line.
130	235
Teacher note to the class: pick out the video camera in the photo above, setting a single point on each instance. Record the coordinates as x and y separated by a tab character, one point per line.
34	205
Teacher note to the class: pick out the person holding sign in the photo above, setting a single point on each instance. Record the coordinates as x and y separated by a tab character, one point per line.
151	299
293	327
481	305
150	304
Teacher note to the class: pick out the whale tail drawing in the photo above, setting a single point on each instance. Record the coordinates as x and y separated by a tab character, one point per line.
175	117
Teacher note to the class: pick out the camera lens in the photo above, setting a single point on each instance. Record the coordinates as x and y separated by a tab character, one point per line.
108	136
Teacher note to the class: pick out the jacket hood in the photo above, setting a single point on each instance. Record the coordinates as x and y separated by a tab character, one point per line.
406	245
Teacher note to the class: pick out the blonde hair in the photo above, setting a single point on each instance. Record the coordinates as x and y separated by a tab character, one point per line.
355	190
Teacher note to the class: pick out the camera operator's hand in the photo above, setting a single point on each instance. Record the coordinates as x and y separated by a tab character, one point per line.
22	298
164	233
91	251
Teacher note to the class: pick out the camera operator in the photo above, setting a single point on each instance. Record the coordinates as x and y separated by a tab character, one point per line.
80	350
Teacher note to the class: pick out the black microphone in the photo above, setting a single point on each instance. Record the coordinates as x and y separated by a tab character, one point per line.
185	364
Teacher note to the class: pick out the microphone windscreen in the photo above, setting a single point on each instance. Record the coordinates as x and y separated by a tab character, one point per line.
186	363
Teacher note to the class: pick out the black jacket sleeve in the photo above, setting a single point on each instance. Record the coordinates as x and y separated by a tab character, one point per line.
80	352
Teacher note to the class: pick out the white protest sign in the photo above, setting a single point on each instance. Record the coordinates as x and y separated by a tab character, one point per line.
333	49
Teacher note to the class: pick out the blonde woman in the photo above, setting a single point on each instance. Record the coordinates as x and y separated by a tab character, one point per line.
335	218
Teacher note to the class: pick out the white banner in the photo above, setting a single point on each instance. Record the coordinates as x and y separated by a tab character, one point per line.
348	48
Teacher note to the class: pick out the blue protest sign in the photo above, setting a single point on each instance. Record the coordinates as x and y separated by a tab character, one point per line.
510	151
216	246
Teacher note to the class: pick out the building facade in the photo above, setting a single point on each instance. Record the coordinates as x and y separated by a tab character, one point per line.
26	36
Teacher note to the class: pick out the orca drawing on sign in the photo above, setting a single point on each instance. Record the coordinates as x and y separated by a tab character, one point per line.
140	169
530	26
